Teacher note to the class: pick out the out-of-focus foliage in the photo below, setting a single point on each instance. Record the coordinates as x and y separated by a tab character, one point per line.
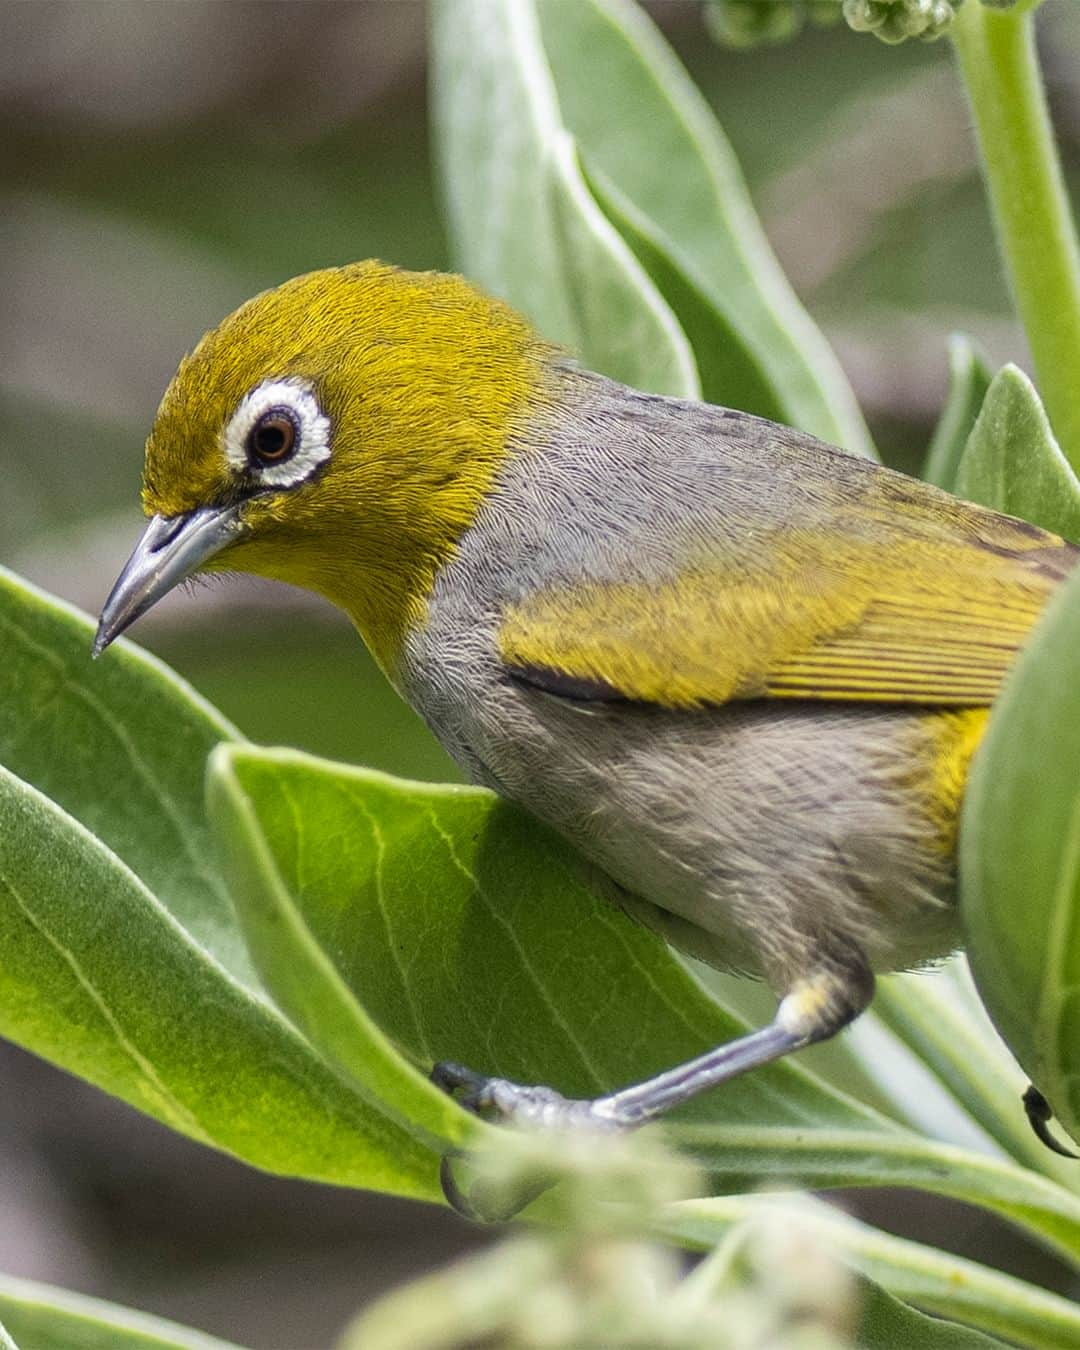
38	1317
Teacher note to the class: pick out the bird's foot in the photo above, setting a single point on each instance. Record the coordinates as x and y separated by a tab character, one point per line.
497	1099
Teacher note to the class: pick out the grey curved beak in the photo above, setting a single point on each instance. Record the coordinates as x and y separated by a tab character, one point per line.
171	548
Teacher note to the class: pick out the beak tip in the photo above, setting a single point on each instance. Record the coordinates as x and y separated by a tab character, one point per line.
171	548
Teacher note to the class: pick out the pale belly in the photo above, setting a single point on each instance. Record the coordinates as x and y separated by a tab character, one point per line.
778	830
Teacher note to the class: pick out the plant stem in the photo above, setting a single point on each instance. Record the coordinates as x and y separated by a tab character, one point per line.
1035	228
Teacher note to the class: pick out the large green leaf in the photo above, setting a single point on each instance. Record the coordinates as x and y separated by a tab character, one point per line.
445	923
940	1018
124	960
969	379
521	218
121	744
644	128
1012	461
99	978
727	373
41	1317
1020	859
467	932
1021	813
515	87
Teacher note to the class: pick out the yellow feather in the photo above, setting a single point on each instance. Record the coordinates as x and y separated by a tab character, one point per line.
392	355
829	616
955	737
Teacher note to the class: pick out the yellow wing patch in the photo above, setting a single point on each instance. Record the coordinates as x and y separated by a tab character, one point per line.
906	619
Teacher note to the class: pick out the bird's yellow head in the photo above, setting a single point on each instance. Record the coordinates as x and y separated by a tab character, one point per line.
339	432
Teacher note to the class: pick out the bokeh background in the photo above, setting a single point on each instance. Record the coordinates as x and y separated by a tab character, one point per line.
159	163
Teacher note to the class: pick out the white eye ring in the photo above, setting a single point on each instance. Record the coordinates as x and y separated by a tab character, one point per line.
312	436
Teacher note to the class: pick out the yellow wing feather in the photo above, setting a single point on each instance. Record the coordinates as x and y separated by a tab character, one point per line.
892	617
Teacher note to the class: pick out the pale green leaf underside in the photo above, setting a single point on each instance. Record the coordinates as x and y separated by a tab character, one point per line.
969	379
41	1317
124	961
1013	463
644	128
1020	859
521	218
941	1020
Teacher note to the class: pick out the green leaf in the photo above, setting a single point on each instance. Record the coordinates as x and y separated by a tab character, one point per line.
124	961
521	219
259	815
941	1020
120	744
1020	859
41	1317
969	379
728	373
936	1281
1012	462
461	929
100	979
467	931
645	129
887	1323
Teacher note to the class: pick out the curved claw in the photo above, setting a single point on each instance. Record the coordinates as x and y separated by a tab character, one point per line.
464	1204
1039	1115
453	1194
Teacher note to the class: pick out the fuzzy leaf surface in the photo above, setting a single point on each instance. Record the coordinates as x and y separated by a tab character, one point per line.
41	1317
522	222
1013	462
969	379
125	963
1020	859
443	922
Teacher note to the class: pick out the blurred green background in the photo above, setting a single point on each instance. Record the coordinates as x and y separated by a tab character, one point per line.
160	163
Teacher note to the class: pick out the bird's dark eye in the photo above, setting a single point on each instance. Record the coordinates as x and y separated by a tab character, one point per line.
274	436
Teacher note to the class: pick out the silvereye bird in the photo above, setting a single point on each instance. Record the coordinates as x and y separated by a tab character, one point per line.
741	671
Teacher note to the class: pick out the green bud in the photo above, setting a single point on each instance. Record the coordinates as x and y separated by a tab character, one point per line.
898	20
824	13
941	19
866	16
746	23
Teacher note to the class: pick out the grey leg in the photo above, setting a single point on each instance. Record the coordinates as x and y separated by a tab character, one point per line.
815	1009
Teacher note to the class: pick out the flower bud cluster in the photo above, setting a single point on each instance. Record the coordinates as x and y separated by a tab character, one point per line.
746	23
896	20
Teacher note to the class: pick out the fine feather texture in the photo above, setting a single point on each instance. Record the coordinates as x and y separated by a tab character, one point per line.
881	590
420	378
741	672
655	569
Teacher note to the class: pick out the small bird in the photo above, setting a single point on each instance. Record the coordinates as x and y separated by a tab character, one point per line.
742	672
